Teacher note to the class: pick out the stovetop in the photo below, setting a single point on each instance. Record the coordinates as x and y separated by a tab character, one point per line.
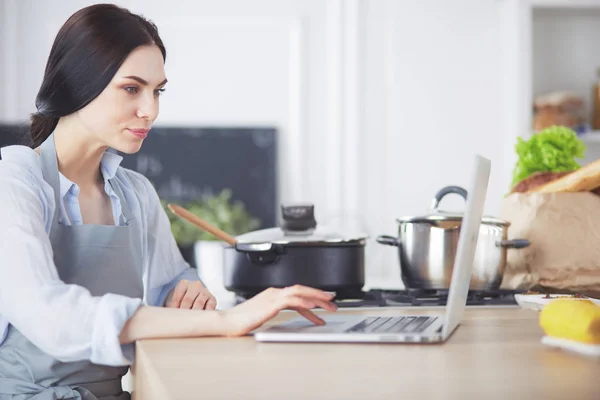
425	298
416	298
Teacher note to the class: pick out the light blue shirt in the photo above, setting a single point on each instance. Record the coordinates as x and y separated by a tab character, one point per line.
66	321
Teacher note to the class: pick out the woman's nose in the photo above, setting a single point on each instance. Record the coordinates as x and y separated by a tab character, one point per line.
148	108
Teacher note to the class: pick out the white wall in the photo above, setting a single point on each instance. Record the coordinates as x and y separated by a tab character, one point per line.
434	97
3	54
379	103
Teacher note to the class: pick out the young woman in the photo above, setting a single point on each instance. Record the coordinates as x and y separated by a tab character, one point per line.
88	262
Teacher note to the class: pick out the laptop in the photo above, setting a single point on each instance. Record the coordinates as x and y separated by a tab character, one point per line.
403	328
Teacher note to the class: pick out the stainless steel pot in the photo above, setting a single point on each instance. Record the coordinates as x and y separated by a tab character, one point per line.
427	247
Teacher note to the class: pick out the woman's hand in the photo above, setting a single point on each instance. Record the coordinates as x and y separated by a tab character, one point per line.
191	295
254	312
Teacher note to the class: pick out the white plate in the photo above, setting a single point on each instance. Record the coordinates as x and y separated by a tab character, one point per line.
570	345
538	301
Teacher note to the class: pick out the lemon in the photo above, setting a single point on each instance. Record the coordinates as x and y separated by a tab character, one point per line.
572	319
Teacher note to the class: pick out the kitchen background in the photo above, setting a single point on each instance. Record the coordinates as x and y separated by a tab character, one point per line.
364	108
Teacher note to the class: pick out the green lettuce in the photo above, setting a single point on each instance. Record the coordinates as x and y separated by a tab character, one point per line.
553	149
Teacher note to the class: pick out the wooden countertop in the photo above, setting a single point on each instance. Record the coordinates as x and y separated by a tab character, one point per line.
495	354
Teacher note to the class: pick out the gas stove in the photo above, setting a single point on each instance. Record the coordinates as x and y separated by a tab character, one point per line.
416	298
425	298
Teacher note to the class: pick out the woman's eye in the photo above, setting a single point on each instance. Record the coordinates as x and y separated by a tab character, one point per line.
158	92
131	89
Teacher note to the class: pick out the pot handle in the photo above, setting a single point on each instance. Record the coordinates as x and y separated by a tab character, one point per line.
514	243
446	191
388	240
260	253
258	247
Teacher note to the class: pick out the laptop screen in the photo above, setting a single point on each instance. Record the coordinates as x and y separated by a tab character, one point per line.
467	243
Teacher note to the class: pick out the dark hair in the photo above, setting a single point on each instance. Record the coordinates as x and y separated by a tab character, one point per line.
87	52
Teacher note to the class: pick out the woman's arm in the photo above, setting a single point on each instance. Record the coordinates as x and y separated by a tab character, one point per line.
160	322
155	322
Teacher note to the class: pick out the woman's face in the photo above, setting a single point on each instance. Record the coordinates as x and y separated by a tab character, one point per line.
121	116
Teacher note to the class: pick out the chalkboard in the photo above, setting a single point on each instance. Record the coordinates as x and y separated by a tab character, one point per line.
185	164
14	134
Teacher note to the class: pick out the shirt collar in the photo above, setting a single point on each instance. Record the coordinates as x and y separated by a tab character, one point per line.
109	164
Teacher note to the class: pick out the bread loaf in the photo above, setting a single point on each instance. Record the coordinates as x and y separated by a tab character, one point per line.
585	179
539	179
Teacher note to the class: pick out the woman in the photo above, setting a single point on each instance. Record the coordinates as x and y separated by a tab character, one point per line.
88	259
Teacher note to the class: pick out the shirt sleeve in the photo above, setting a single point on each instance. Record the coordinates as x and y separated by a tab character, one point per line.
63	320
166	265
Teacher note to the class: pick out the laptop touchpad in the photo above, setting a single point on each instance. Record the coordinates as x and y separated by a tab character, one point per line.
301	325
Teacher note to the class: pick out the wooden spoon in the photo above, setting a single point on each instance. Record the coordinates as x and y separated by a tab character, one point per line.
202	224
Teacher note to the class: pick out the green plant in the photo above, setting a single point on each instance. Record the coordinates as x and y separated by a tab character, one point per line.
553	149
218	210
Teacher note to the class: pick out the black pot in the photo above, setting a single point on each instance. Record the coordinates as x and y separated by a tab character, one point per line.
296	253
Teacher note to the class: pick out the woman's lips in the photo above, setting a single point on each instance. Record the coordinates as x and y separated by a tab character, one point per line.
139	133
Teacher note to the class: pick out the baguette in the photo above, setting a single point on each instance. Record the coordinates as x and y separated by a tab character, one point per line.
537	179
584	179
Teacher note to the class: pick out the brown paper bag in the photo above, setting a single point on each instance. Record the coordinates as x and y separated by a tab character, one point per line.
564	231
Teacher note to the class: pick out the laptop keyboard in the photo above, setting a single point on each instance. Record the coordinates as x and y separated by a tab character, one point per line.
392	325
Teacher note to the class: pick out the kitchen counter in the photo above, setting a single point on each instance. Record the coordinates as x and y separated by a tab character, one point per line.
495	354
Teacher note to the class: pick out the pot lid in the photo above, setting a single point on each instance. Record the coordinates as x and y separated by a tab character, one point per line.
437	215
299	227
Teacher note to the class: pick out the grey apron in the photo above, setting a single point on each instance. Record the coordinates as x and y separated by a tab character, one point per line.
103	259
